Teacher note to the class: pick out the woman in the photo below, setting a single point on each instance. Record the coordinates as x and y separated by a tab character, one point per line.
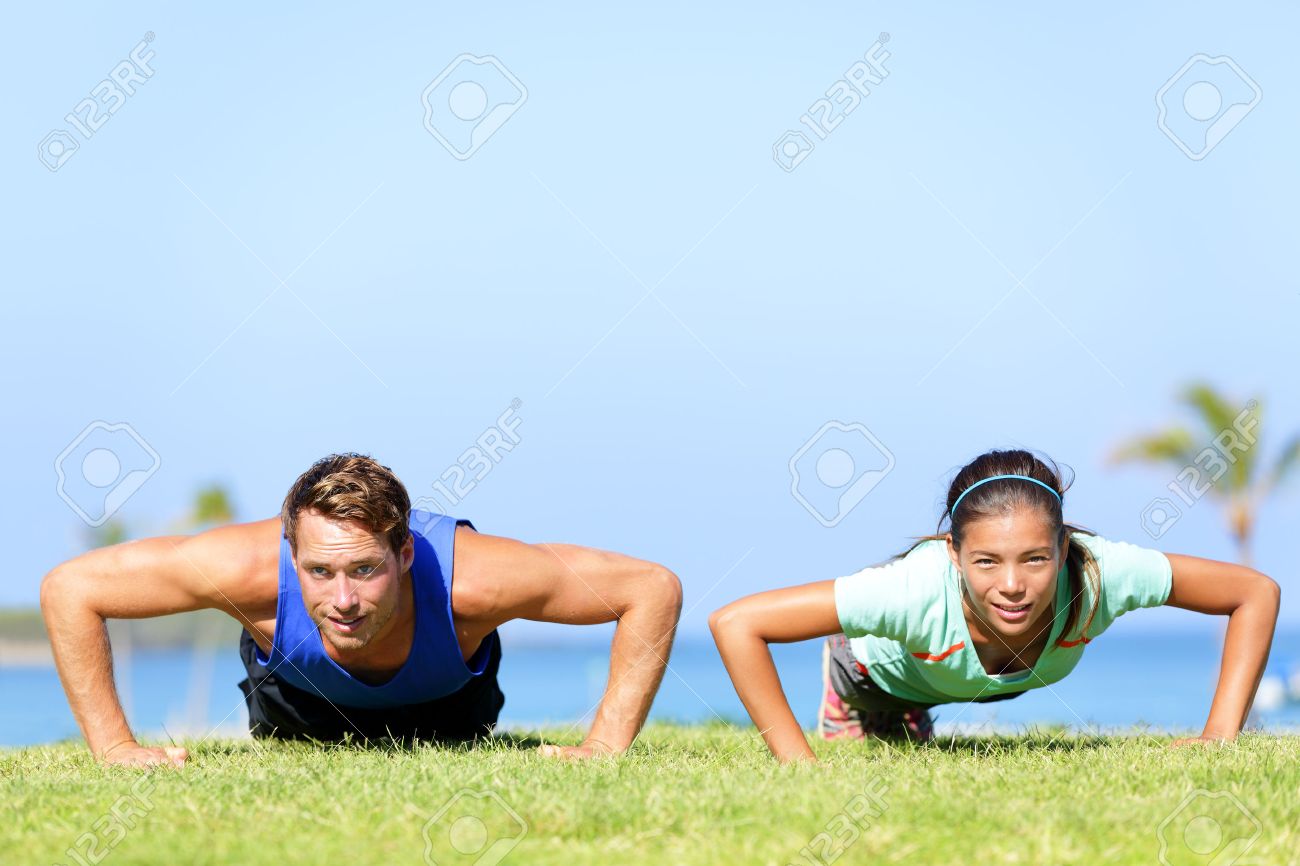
1004	601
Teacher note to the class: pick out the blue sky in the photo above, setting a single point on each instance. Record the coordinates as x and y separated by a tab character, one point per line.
675	314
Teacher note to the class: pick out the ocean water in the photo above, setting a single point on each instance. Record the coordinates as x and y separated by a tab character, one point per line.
1161	681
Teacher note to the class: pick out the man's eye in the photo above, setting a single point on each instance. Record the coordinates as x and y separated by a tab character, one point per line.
366	569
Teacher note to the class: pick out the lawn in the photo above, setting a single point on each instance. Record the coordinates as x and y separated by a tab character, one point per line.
707	794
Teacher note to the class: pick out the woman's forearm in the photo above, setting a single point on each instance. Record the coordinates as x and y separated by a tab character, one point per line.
749	662
1245	653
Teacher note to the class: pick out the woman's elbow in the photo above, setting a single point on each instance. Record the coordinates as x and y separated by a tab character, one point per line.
726	620
1270	591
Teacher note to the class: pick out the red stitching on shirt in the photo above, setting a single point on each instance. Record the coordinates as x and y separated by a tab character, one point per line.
930	657
1073	643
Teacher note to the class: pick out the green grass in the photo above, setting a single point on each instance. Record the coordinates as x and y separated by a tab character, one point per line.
683	795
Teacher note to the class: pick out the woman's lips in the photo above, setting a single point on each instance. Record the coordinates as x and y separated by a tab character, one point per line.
1013	612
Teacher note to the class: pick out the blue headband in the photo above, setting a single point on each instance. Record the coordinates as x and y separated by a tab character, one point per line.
953	510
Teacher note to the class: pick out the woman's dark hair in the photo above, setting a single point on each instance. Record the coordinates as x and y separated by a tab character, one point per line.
1005	495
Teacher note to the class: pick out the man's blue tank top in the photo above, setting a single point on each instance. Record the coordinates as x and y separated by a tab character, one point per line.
433	669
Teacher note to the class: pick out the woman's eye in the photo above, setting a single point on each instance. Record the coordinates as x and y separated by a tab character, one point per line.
982	561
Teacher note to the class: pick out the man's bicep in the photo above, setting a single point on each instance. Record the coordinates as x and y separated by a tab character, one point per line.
567	583
152	576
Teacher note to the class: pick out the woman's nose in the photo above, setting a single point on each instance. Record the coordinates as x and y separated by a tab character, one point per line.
1011	582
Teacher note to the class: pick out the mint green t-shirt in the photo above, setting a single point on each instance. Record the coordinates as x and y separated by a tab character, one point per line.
905	624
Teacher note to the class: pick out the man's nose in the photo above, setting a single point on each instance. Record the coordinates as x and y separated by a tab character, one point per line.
345	595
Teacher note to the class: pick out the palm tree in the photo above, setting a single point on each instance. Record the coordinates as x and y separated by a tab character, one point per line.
211	507
1227	449
110	532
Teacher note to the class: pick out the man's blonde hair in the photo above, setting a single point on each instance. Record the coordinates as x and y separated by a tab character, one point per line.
350	487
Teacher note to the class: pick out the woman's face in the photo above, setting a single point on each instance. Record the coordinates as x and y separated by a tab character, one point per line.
1009	565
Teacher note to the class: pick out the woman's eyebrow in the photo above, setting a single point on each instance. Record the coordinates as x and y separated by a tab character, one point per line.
991	553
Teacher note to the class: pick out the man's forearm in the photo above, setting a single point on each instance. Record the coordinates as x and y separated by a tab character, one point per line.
637	660
84	659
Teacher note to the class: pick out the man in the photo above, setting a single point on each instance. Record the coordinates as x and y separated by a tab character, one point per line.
361	617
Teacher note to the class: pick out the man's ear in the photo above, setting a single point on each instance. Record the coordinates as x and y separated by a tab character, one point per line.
408	552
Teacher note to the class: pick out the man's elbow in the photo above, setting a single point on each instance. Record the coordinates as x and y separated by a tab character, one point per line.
665	587
54	587
64	589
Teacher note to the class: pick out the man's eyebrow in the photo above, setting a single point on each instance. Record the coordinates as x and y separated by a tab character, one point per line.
364	560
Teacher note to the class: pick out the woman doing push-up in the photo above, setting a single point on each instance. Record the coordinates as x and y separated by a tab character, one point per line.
1004	601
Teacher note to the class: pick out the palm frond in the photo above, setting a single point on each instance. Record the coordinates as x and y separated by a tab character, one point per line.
212	506
1285	465
1174	445
1220	418
1215	411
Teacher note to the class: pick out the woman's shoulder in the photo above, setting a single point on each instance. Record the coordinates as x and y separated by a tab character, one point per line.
1116	555
922	570
890	599
1131	575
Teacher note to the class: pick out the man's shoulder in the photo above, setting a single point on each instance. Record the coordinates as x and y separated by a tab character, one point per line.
241	561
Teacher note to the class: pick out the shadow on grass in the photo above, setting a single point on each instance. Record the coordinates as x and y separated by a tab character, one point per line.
387	745
987	744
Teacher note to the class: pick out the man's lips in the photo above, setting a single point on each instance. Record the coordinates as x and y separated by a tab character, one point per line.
347	625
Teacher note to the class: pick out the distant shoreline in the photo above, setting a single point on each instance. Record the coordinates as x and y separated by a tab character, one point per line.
25	654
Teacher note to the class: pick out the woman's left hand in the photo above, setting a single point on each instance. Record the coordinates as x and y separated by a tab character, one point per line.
588	749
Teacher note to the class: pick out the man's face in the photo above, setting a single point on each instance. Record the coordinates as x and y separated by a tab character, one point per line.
350	578
1009	565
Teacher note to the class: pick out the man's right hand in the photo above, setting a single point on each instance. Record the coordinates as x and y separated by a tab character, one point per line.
131	754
